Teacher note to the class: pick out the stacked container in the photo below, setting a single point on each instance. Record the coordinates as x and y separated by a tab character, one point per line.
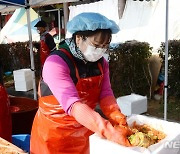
23	79
132	104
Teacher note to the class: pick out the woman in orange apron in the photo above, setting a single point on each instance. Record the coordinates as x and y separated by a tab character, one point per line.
74	80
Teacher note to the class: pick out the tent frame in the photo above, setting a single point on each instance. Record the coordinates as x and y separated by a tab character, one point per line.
166	61
59	23
31	52
11	3
27	7
32	57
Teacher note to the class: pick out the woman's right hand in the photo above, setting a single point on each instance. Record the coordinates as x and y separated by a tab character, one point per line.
122	133
98	124
124	129
117	134
121	139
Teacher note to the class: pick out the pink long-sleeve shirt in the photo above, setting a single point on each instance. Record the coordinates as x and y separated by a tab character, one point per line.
56	74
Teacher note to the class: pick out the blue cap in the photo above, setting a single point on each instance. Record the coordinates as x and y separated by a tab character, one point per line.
91	21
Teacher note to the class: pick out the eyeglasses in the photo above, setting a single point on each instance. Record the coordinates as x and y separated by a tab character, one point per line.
106	46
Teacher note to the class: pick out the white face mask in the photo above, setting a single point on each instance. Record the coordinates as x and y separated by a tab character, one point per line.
93	54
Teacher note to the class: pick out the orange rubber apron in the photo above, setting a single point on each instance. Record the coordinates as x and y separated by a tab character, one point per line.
44	52
55	132
5	115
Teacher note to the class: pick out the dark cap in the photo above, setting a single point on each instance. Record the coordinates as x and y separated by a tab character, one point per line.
41	24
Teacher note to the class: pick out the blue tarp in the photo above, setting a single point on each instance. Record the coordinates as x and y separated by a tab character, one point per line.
13	2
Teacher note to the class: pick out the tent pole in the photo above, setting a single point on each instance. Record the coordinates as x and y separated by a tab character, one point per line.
166	62
59	24
31	52
66	15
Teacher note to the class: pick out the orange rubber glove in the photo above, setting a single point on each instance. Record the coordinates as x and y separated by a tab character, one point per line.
112	111
94	122
124	130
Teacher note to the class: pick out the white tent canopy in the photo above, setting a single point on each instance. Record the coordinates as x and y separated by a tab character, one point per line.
4	9
10	5
16	29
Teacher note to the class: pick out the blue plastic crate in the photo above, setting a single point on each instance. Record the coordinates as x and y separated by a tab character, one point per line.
22	141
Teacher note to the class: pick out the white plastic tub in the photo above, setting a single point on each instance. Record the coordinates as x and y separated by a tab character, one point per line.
132	104
23	79
22	75
169	145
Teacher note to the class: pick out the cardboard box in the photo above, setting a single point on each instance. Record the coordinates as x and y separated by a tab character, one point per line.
169	145
132	104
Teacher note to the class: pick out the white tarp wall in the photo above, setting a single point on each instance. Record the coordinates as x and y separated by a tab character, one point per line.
108	8
5	9
16	29
145	21
142	21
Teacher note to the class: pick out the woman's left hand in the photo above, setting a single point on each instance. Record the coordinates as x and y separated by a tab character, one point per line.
124	130
117	118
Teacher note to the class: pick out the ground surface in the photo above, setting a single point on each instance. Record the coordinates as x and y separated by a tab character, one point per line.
156	109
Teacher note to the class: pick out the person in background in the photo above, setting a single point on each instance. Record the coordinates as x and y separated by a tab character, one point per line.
75	79
159	89
5	114
47	44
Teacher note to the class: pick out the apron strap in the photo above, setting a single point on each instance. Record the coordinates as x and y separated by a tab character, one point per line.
100	68
70	56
